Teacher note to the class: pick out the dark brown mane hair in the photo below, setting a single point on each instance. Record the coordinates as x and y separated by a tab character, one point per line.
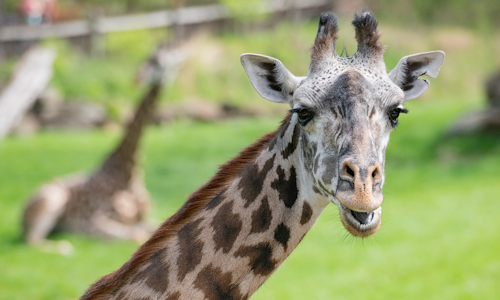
194	204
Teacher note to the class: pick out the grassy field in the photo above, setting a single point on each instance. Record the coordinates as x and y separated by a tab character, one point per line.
439	238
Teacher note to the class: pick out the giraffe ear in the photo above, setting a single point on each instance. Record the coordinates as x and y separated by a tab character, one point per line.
270	78
406	74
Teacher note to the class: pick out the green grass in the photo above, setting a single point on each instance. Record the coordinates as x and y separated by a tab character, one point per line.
439	238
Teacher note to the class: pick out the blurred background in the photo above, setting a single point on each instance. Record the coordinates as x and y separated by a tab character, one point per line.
70	79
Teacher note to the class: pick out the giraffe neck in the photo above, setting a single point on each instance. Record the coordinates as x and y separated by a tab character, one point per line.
122	161
231	234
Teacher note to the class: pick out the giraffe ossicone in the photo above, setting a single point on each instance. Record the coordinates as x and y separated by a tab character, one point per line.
232	233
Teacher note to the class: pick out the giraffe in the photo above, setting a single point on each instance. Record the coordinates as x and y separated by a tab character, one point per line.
113	201
233	232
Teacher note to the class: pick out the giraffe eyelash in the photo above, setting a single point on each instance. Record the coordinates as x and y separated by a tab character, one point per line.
304	114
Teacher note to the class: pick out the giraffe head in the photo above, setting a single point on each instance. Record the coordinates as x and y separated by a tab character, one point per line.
346	108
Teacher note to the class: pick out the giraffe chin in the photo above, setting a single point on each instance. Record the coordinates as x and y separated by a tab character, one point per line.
351	220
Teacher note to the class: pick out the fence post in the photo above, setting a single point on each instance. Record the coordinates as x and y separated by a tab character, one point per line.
97	38
1	12
178	28
32	75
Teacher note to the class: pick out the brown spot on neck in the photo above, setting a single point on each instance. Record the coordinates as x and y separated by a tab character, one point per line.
252	180
306	213
190	247
290	148
262	217
227	227
156	274
260	256
217	285
282	235
216	200
287	189
174	296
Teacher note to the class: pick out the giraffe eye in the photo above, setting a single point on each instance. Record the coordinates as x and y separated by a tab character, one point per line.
305	115
394	114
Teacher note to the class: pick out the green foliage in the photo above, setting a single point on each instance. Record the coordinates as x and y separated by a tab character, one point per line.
108	80
477	14
6	71
245	10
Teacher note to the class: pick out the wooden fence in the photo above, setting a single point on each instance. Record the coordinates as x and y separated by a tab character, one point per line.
159	19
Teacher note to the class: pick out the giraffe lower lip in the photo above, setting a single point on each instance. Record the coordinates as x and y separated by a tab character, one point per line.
362	217
362	221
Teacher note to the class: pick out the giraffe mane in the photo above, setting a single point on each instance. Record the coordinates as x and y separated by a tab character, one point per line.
194	204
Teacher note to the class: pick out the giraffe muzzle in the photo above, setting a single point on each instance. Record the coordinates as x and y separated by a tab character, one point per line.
359	186
360	197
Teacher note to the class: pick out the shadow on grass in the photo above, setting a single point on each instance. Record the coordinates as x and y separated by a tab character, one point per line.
473	144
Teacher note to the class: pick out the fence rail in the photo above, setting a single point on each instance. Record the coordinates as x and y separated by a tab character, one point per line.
182	16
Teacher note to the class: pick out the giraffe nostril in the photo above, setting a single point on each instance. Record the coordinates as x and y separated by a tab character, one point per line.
376	174
349	171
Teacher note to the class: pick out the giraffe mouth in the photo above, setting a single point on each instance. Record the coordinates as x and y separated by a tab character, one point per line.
361	224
